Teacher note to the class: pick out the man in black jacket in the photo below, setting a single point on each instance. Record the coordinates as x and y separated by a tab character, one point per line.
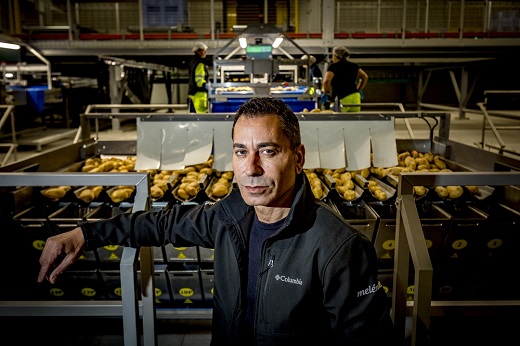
288	270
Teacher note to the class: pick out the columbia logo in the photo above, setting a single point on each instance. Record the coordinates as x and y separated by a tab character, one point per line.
288	279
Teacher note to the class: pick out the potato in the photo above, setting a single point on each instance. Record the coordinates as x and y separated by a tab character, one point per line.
219	190
349	184
345	176
95	161
54	193
163	185
311	175
438	162
228	175
316	182
318	192
342	189
473	190
365	172
410	163
97	190
182	193
156	191
454	191
187	170
88	168
374	188
191	190
380	195
119	195
419	190
349	195
441	191
206	170
86	195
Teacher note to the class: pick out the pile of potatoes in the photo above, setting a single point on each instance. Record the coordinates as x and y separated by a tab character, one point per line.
316	184
343	182
89	193
191	180
112	164
377	191
55	193
222	186
121	193
415	161
160	182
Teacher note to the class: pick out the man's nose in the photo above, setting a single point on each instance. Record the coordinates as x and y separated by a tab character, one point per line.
253	165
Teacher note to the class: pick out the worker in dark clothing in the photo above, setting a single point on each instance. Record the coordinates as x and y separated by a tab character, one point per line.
315	71
344	80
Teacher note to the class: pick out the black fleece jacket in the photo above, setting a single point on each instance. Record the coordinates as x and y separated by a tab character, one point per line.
317	283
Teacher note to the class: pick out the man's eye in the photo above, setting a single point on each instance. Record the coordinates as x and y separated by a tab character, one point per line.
240	152
266	151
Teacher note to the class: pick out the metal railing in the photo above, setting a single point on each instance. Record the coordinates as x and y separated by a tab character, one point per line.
411	243
132	20
11	147
487	113
129	308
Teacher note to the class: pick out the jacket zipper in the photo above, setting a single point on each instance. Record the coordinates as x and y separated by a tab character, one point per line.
270	264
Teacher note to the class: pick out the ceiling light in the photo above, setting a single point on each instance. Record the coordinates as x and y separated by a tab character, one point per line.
277	42
243	42
9	45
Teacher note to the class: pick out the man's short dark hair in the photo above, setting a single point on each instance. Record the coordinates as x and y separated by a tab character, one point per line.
262	106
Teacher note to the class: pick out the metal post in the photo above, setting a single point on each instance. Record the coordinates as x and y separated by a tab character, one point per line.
141	30
461	23
463	93
129	296
69	20
212	19
114	94
118	22
403	25
266	11
327	22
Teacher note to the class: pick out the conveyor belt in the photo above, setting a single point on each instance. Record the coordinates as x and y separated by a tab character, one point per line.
41	138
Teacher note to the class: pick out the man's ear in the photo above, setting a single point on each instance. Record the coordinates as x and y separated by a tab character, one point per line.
300	158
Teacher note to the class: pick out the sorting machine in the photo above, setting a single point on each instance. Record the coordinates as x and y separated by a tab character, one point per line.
256	64
470	239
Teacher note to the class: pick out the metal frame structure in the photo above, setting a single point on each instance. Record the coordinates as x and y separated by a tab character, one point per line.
410	242
487	113
11	147
129	308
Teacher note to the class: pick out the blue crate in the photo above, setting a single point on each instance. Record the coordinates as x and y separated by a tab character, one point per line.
299	105
232	105
35	96
229	106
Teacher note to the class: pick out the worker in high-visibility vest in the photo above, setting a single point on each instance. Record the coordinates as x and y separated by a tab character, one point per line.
197	89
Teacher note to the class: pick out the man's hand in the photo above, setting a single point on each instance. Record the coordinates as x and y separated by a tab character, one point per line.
59	253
